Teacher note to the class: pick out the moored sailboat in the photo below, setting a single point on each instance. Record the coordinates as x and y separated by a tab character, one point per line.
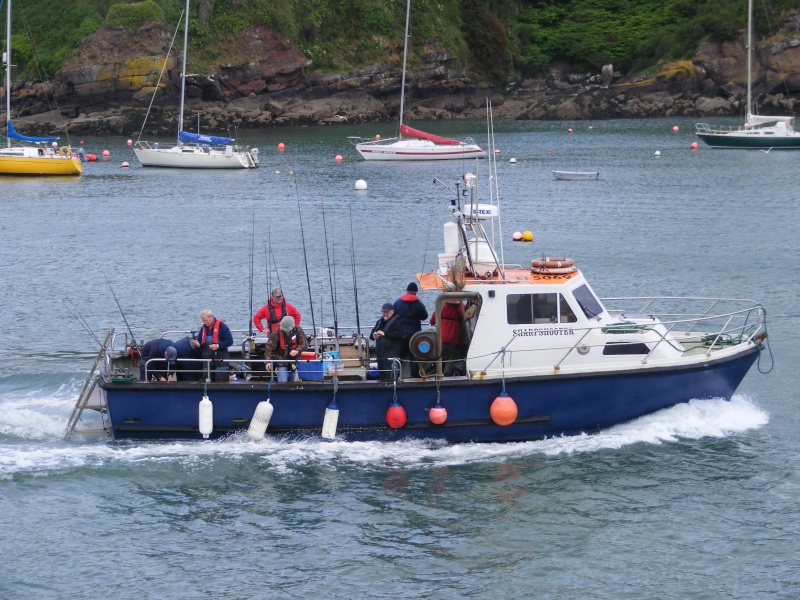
413	144
195	150
758	131
25	158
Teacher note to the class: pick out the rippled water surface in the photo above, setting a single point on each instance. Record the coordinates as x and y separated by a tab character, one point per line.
698	501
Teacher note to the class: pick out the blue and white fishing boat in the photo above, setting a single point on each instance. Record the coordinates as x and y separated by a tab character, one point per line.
546	357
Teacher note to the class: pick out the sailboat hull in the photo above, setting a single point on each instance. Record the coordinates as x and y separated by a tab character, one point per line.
751	140
412	149
196	157
26	161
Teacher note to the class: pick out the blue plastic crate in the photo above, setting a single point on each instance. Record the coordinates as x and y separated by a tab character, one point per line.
310	370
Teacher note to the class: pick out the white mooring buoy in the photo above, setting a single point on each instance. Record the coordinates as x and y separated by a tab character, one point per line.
206	416
331	420
361	184
260	420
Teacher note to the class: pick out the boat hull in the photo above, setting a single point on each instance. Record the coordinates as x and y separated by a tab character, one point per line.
411	149
194	158
548	405
28	165
576	175
750	141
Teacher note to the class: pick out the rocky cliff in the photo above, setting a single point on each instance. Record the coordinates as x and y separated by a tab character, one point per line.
110	82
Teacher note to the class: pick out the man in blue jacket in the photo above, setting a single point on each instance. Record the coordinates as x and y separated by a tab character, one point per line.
155	360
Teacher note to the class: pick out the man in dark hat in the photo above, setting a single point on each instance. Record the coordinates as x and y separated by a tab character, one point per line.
411	312
388	336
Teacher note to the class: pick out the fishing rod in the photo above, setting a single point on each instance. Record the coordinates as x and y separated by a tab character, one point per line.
330	278
252	261
353	264
78	317
305	255
134	345
274	264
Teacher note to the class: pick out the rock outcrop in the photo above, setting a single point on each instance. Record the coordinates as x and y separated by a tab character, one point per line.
107	85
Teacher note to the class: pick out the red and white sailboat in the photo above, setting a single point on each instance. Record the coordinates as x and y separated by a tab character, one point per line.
413	144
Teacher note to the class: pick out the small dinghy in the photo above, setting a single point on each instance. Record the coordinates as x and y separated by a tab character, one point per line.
576	175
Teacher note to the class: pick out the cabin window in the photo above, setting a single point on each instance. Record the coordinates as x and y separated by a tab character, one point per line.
625	348
524	309
590	305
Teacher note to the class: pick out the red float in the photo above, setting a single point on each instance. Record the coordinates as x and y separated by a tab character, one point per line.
395	415
503	410
437	414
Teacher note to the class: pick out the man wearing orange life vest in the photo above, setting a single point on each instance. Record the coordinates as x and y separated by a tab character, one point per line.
273	311
214	338
285	344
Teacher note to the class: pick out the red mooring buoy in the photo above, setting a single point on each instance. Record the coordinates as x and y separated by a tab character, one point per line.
395	415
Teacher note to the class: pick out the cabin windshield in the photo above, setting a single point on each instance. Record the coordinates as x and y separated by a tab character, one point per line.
589	304
524	309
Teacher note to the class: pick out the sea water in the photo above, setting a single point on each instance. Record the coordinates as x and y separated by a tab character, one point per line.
697	501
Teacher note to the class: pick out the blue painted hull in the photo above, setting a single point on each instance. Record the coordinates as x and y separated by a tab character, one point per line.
548	405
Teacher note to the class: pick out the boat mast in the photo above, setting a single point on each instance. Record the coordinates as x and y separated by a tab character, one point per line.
183	69
749	109
7	61
405	56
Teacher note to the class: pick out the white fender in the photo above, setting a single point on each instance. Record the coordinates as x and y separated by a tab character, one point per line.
260	420
206	416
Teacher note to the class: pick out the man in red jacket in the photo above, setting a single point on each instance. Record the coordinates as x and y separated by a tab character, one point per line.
452	338
273	311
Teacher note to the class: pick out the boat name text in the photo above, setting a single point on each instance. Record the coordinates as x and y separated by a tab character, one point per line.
544	331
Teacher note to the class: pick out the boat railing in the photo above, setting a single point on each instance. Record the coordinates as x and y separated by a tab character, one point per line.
356	140
705	128
252	369
708	329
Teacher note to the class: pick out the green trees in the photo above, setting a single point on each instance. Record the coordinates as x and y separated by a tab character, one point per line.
495	39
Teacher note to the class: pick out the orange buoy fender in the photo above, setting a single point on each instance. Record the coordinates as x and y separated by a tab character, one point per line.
503	410
395	415
91	157
437	414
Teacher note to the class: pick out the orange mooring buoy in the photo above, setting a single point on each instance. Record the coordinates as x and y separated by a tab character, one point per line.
437	413
503	410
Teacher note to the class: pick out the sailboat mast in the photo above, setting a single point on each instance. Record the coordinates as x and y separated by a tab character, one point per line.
749	109
7	60
183	69
405	56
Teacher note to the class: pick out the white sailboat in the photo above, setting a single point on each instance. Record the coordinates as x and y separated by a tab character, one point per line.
33	156
195	150
413	144
758	131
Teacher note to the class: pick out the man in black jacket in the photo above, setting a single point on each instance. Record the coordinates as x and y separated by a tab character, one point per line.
388	336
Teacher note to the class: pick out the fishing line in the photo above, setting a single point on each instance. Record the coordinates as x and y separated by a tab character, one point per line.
78	317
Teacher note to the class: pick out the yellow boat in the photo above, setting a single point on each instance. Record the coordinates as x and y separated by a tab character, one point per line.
31	159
